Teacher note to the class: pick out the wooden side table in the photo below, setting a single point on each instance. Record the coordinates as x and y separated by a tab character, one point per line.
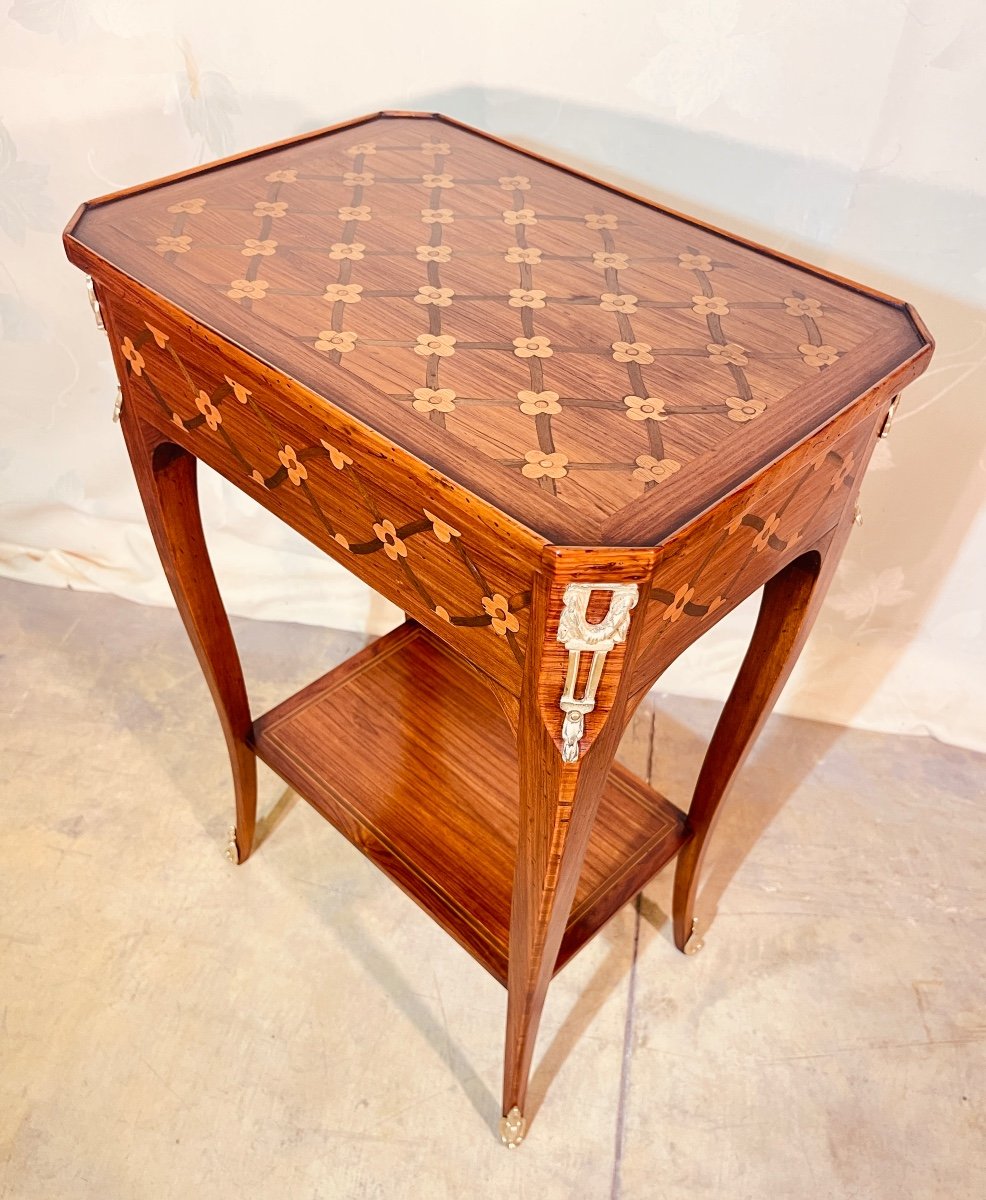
564	429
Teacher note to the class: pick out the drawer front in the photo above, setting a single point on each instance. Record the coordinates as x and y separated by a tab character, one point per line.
726	555
395	524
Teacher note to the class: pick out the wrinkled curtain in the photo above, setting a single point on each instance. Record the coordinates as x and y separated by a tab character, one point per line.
848	134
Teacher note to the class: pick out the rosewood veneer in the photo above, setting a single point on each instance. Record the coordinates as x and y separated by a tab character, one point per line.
566	430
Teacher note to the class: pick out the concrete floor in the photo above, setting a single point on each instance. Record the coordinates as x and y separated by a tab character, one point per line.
297	1029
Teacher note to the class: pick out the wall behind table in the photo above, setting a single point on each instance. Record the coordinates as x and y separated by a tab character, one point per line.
845	133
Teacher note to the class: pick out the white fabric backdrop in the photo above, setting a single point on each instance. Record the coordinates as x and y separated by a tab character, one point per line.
848	133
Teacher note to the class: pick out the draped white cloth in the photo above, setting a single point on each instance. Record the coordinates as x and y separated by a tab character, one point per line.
849	134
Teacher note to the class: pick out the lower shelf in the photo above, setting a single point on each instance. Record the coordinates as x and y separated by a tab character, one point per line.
409	755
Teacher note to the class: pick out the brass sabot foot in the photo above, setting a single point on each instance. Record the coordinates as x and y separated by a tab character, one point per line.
512	1128
232	849
694	943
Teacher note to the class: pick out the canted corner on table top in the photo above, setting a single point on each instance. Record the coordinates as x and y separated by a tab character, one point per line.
229	160
920	328
557	523
75	218
648	523
644	521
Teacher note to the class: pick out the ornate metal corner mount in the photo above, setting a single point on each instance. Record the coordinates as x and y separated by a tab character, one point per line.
512	1128
578	635
94	303
888	420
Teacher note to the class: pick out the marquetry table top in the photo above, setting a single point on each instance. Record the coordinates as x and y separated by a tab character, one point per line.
594	365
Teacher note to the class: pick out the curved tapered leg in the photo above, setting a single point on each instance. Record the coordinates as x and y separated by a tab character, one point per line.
562	774
166	479
791	600
558	807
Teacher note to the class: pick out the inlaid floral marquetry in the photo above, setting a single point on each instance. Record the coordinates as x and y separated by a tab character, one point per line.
514	316
738	546
564	430
427	552
805	504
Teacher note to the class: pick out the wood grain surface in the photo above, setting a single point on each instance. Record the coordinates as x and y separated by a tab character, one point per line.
463	573
475	378
748	539
605	368
408	794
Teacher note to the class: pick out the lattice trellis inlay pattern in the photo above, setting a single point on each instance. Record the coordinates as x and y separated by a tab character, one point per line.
153	363
575	337
735	548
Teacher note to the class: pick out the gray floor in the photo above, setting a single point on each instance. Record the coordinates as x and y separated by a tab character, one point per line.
173	1027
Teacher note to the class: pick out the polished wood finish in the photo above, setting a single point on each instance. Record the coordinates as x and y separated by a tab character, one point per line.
406	792
559	799
166	478
341	488
479	380
791	600
337	261
730	552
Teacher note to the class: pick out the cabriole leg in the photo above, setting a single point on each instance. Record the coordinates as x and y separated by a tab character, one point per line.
166	479
791	600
